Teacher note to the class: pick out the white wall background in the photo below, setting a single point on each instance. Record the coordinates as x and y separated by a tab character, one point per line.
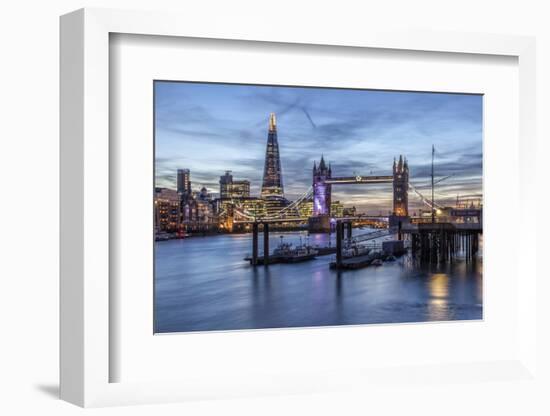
29	56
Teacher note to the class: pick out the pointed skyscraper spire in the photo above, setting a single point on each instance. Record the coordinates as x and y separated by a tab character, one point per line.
272	185
272	122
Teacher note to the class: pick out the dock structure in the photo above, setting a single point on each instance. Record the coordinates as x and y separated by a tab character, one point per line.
443	242
255	231
344	233
266	243
342	227
356	262
344	238
254	260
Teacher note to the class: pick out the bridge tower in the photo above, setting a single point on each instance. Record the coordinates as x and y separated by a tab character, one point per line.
321	190
320	221
400	187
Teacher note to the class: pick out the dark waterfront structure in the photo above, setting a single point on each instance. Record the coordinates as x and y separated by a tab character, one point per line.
444	242
272	185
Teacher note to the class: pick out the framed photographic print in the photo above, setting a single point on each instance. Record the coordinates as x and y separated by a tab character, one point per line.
279	213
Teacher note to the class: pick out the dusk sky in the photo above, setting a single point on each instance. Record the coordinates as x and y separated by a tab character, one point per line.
211	128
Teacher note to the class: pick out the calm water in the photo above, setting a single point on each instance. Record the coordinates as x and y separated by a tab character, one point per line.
202	283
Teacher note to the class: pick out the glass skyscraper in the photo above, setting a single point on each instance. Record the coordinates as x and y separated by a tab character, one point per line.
272	185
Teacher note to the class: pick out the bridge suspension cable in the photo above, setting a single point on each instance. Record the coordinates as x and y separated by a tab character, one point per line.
240	210
423	198
294	205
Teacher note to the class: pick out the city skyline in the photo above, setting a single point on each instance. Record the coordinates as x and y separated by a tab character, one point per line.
211	128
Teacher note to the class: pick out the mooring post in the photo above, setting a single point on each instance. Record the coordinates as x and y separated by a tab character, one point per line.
266	243
399	226
349	229
254	243
339	232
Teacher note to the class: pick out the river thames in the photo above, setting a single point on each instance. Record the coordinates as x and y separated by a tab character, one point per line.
203	284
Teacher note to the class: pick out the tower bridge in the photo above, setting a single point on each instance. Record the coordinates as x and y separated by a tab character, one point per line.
323	182
320	194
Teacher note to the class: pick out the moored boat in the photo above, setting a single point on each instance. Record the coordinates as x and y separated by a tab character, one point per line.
377	262
289	254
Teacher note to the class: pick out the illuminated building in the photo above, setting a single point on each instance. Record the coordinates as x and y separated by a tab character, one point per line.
167	210
305	208
272	185
199	215
337	209
184	182
321	190
254	206
226	214
235	210
273	206
231	189
400	187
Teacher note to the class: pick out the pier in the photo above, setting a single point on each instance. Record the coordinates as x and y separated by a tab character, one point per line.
343	228
443	242
344	239
265	260
428	242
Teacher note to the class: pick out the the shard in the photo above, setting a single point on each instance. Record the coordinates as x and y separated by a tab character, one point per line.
272	185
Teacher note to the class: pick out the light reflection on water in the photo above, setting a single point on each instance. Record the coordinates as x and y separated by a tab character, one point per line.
202	283
439	292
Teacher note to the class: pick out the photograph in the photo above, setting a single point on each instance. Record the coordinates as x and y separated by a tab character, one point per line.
303	207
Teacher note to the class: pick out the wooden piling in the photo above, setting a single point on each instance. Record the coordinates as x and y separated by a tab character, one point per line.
339	232
254	243
266	244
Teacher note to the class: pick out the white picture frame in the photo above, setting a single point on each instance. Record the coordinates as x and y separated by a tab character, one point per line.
85	212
